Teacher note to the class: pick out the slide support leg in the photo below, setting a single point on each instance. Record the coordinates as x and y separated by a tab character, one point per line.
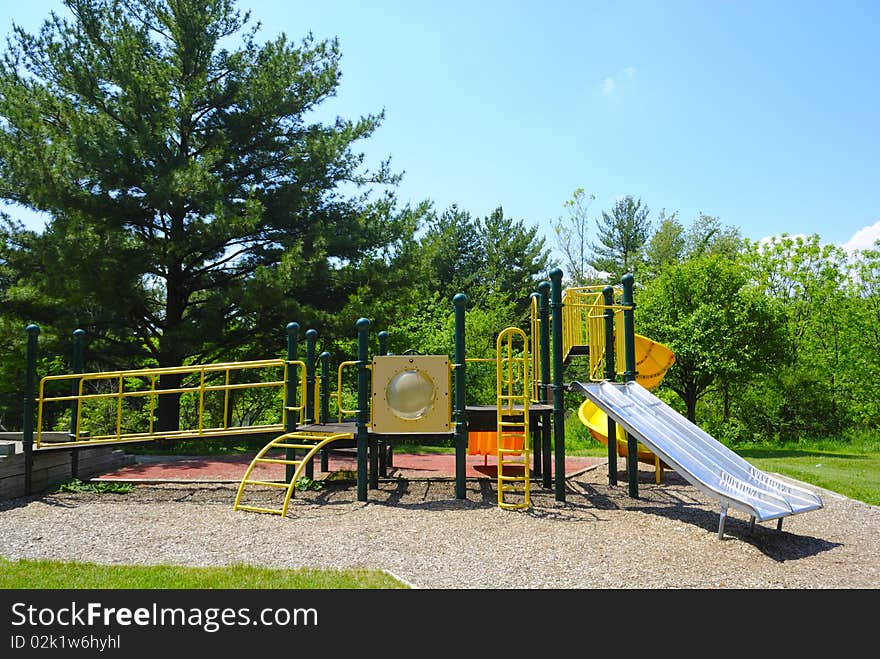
721	519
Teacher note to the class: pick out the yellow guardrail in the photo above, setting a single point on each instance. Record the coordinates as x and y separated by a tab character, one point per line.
135	384
537	339
341	411
583	326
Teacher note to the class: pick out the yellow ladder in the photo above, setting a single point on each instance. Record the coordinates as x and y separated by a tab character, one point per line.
513	393
310	442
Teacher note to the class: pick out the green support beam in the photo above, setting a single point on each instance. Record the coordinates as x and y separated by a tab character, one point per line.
610	374
363	412
544	319
324	416
460	412
76	366
30	379
311	372
290	386
558	383
629	374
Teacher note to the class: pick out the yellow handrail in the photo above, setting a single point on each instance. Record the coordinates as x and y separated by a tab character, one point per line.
340	411
119	378
583	326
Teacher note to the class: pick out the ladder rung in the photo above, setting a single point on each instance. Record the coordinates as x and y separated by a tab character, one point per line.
257	509
278	461
511	450
298	446
514	479
267	483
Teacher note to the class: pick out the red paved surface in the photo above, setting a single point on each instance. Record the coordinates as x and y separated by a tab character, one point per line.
232	468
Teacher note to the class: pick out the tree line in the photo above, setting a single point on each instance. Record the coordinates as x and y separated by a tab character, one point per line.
196	206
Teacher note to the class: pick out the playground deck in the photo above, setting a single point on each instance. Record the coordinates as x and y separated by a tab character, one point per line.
407	466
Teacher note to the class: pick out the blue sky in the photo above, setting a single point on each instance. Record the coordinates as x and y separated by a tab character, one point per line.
764	114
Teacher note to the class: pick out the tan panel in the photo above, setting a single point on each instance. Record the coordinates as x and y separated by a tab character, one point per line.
411	394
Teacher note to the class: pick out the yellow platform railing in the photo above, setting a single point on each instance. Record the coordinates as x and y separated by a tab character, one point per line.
583	327
134	395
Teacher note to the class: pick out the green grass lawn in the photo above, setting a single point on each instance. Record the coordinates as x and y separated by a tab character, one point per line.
851	469
56	574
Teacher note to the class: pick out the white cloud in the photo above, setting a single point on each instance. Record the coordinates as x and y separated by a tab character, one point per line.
863	238
611	84
608	86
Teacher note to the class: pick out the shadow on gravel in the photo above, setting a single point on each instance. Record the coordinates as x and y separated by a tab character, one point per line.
432	495
21	502
780	546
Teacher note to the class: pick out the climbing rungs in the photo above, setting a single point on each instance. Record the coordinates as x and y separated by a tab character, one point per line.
513	479
257	509
292	440
278	461
266	483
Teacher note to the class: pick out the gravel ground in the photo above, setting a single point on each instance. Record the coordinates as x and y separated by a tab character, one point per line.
599	538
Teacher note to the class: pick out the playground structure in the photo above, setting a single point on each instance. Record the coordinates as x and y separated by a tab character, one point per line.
416	395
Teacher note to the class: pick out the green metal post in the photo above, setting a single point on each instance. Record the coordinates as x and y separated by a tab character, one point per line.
77	366
558	385
460	412
610	374
290	386
324	358
30	379
629	374
382	446
363	413
537	451
544	319
311	368
311	371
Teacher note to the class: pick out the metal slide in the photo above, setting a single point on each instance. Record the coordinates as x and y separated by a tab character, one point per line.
702	460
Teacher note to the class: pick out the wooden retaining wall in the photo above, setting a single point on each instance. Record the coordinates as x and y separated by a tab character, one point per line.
53	467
